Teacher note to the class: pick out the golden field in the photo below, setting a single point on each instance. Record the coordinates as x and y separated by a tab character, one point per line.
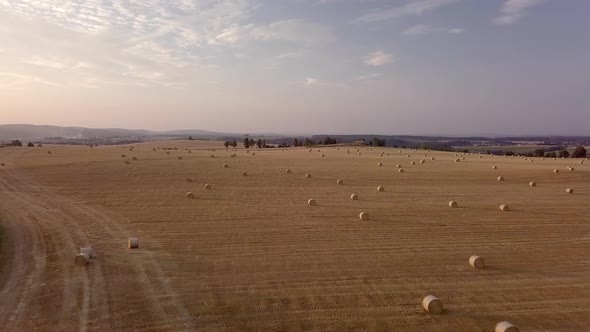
251	255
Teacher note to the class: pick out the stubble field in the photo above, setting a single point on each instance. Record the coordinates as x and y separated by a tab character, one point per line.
251	255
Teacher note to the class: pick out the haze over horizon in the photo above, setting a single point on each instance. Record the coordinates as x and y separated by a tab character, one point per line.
448	67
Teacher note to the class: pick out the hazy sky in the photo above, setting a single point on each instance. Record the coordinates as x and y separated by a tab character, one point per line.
299	66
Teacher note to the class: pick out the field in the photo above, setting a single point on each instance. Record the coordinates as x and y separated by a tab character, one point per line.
251	255
523	148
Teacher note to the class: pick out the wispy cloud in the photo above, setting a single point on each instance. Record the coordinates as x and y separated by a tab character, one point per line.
512	10
410	8
378	58
423	29
311	81
293	30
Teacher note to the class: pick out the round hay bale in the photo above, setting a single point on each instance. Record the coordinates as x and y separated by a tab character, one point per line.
167	152
432	304
571	169
189	179
48	152
422	161
504	208
311	202
401	170
340	181
253	153
453	204
309	150
363	216
532	184
500	178
212	156
477	262
323	155
398	166
189	151
354	197
82	259
379	164
431	158
506	327
154	149
413	163
359	153
380	188
225	166
409	156
288	171
308	176
127	162
569	191
244	173
2	164
122	156
494	167
581	162
133	243
555	171
207	186
179	158
480	157
457	160
134	158
190	195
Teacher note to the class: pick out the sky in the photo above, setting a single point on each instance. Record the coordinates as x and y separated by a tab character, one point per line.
453	67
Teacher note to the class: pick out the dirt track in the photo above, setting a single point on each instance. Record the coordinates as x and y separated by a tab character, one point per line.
251	255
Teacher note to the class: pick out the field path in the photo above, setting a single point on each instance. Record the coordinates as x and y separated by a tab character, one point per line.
40	286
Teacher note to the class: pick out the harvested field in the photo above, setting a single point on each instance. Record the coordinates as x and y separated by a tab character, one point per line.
249	255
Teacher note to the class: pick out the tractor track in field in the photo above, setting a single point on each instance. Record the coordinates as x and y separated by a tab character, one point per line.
41	287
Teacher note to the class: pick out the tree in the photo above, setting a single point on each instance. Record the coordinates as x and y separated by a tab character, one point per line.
190	138
259	143
308	143
264	144
564	154
329	140
580	152
539	152
378	142
226	144
31	145
295	142
551	154
16	143
247	143
234	143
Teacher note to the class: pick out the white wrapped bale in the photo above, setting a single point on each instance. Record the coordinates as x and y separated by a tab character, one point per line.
311	202
453	204
363	216
504	208
354	197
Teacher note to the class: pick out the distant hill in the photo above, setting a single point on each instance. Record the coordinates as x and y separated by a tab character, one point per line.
36	132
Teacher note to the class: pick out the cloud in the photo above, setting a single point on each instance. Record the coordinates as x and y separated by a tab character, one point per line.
420	29
410	8
310	81
368	76
423	29
378	58
292	30
512	10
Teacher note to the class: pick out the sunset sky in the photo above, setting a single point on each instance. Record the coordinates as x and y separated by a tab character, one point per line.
457	67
